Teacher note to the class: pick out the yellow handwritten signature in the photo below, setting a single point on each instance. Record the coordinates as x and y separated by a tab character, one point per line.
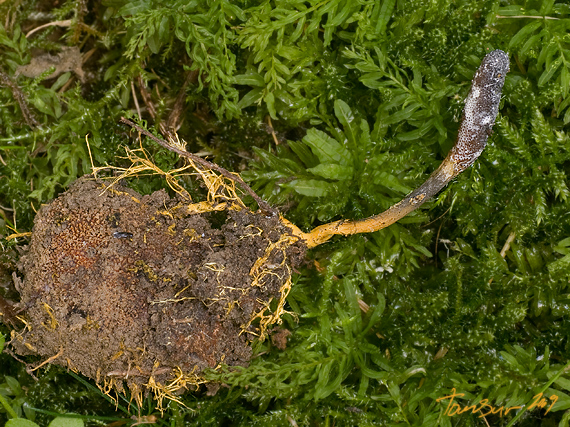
454	408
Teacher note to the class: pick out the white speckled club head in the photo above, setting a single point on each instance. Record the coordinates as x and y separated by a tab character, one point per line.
481	109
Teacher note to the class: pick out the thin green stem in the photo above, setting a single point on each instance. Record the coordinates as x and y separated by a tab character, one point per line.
95	389
82	417
34	134
7	406
544	388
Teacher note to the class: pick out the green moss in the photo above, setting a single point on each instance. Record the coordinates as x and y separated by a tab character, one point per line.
364	99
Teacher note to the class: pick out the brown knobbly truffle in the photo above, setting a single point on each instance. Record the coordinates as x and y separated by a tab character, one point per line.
172	293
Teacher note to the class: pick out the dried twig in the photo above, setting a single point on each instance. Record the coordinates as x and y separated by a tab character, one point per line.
263	205
146	97
20	97
65	23
174	118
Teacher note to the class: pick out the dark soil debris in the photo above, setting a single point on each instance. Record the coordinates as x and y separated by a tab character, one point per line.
279	338
123	287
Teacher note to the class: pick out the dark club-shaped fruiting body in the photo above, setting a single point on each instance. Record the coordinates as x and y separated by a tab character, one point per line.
479	114
149	291
481	109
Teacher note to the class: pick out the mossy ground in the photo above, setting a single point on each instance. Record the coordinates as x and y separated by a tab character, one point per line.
332	109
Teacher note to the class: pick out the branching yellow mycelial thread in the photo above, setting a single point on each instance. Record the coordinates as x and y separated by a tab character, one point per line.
265	316
49	360
16	235
141	164
19	336
53	322
181	381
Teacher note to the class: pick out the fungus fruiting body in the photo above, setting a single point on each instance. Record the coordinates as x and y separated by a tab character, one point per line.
148	291
480	112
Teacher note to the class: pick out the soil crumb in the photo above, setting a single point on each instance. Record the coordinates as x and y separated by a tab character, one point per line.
279	338
142	290
69	59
